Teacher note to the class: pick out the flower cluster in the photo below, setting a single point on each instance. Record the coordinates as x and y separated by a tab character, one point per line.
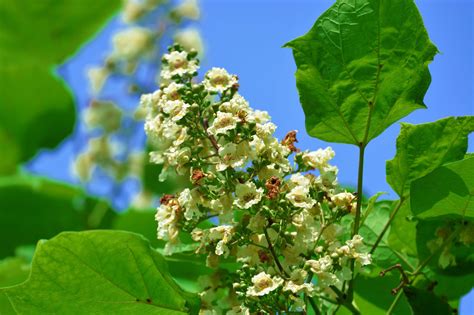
279	221
110	126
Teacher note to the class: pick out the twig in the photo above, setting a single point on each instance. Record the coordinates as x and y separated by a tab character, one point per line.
275	257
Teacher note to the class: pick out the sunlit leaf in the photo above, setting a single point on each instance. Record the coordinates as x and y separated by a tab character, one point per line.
422	148
361	68
111	272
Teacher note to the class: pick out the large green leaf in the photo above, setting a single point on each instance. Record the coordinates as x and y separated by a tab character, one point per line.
424	302
452	259
422	148
37	111
448	191
33	208
363	66
99	272
35	36
13	270
384	256
402	235
449	287
373	294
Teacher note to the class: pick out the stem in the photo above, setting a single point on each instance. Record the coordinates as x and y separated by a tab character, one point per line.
385	228
313	305
360	177
211	138
342	299
275	257
395	302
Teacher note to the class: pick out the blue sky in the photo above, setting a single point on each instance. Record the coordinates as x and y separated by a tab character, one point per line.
246	36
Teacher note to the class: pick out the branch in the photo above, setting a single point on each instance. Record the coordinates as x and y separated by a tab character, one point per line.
275	257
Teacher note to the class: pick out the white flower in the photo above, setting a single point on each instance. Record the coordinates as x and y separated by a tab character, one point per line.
97	77
328	177
224	234
259	116
189	39
131	43
236	105
177	63
188	9
219	80
181	137
355	242
222	123
105	115
306	288
265	130
299	197
343	199
299	179
156	157
83	166
263	284
187	201
323	264
318	159
177	109
133	10
247	195
232	155
172	91
167	219
150	101
363	258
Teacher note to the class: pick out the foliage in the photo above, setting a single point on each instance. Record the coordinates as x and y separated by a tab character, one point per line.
361	68
30	49
34	208
98	271
252	231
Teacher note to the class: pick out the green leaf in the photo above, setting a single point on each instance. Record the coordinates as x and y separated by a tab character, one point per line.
422	148
424	302
13	270
384	256
185	266
27	31
454	258
35	36
40	117
402	235
450	287
33	208
110	272
141	222
373	294
371	203
362	67
448	191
